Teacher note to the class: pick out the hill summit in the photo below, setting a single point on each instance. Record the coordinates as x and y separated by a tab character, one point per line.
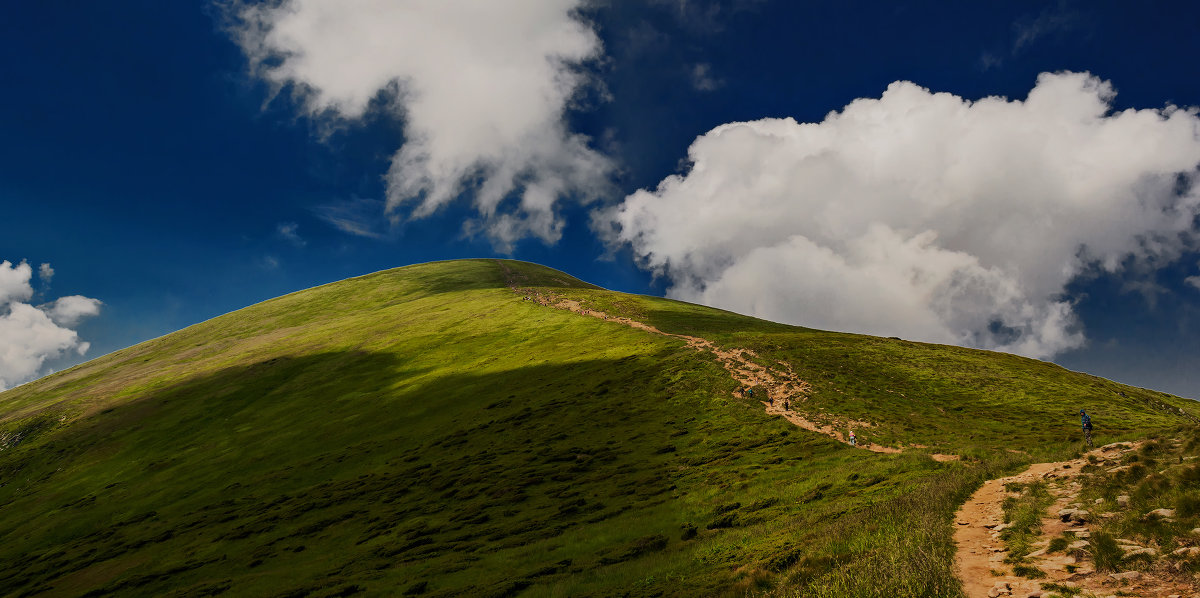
498	428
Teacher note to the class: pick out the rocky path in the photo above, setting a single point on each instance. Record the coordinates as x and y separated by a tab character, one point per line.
784	387
980	562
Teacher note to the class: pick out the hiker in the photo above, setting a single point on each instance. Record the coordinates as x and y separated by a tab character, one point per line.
787	405
853	439
751	391
1085	420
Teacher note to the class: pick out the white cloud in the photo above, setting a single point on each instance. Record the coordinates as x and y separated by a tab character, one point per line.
924	215
1194	281
68	311
14	282
45	272
29	336
482	88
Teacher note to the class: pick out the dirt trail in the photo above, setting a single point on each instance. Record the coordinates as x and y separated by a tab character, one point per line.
745	366
981	552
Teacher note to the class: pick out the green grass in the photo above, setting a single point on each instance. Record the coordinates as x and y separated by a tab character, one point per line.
1023	514
953	399
1058	544
1060	589
1163	474
1105	552
426	431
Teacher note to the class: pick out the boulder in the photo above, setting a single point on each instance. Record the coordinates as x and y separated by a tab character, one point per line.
1186	551
1078	545
1123	501
1002	588
1127	575
1079	515
1160	514
1133	552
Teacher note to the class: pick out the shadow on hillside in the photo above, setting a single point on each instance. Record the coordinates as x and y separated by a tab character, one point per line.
293	451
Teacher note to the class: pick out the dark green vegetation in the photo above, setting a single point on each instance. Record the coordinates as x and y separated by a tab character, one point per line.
426	431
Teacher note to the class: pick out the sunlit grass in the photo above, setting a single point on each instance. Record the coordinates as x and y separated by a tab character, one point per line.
427	430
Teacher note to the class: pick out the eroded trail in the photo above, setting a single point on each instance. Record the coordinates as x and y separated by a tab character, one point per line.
784	387
983	562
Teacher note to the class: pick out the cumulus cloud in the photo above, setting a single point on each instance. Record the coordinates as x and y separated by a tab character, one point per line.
1194	281
68	311
14	282
482	88
925	215
45	273
29	336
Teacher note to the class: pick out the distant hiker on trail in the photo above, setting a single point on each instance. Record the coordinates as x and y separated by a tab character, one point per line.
1085	420
751	391
787	405
853	439
771	401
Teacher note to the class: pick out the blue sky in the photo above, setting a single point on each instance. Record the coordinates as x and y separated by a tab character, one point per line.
179	160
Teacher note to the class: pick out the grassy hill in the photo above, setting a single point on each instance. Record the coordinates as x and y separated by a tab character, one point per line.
429	431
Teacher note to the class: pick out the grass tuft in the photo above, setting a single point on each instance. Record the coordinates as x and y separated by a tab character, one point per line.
1105	552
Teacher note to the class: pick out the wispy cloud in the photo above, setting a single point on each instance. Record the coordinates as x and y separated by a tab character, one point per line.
701	17
288	231
1052	20
1057	19
988	61
360	217
703	79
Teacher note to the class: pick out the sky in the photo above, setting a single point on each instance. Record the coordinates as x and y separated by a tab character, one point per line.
1013	176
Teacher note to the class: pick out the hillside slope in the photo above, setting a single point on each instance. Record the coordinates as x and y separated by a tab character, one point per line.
431	430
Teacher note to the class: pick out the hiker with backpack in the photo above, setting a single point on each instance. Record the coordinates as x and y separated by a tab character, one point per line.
853	439
1085	421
